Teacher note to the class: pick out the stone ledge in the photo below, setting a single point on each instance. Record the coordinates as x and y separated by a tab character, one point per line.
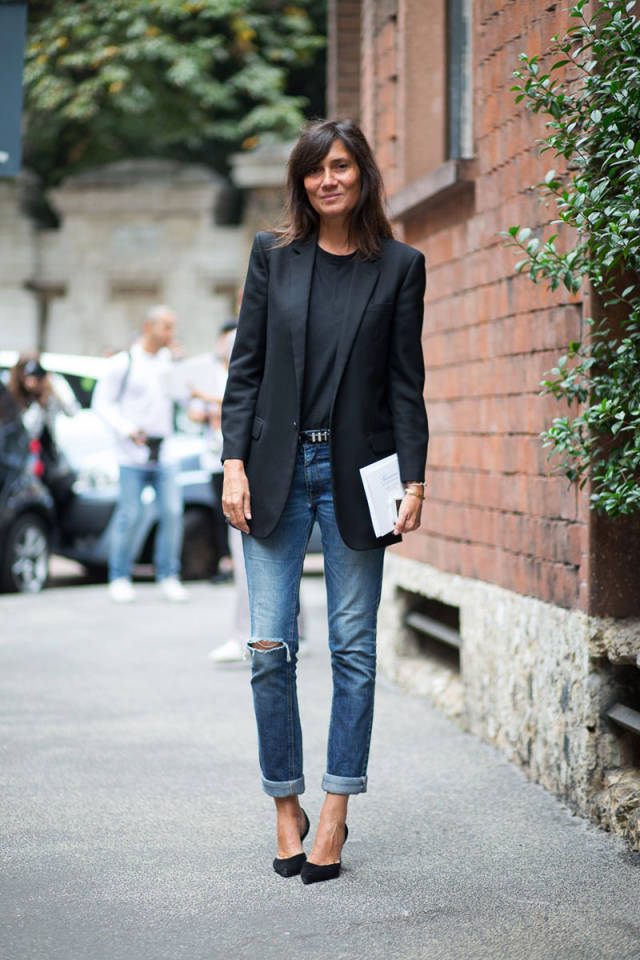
443	183
266	166
617	806
529	681
617	640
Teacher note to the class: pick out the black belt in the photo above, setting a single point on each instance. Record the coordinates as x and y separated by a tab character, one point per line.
314	436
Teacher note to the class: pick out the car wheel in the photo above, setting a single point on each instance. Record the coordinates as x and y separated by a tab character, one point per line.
199	550
25	564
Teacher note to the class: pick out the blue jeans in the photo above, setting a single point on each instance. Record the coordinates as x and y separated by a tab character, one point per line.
168	539
353	580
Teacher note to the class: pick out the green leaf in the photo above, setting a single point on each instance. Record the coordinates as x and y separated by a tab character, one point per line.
592	120
107	79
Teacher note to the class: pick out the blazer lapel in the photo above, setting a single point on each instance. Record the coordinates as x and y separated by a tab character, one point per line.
301	263
363	282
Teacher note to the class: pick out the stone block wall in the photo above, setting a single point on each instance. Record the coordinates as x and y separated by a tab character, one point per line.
132	234
18	258
534	678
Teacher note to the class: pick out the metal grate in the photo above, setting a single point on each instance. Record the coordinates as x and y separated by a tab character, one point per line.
625	717
433	628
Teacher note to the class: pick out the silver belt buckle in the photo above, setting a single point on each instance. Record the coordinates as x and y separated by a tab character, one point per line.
315	436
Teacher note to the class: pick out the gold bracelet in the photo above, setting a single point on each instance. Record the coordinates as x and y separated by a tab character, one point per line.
412	493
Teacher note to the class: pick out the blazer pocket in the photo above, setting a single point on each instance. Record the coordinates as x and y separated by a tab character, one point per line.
256	427
381	442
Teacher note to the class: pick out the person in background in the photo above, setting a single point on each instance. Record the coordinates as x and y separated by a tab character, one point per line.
135	398
41	397
205	408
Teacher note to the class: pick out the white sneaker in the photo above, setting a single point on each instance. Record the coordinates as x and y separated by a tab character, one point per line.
173	590
229	652
121	591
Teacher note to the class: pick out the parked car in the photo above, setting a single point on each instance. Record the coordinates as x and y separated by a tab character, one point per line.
27	515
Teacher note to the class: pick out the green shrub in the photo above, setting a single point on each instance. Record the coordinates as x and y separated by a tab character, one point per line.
591	96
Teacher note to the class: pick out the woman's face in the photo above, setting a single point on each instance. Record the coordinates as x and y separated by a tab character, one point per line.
333	186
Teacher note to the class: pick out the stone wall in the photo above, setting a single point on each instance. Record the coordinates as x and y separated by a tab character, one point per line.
132	234
534	679
261	174
18	264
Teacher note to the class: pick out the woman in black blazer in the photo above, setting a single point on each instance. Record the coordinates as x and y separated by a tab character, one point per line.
326	376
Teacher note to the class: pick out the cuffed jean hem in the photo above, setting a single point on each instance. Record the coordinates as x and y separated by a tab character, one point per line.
344	785
283	788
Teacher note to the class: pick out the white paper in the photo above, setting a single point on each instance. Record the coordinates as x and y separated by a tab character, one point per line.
382	486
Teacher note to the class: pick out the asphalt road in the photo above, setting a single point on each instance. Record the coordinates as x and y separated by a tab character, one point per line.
133	826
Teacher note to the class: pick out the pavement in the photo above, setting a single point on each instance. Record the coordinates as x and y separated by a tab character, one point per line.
133	825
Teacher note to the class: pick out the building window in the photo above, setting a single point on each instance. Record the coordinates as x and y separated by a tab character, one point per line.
459	80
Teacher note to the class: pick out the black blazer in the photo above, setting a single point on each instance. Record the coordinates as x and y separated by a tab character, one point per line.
378	404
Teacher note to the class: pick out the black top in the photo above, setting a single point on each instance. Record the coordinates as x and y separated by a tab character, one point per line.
327	303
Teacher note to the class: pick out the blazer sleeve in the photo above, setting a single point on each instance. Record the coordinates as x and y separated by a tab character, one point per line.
247	359
406	374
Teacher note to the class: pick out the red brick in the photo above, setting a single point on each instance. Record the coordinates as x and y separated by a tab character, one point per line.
495	511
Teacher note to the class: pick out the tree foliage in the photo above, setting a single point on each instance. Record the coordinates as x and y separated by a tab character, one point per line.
591	96
112	78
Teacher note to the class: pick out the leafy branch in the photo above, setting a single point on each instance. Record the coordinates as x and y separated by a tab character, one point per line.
112	78
591	96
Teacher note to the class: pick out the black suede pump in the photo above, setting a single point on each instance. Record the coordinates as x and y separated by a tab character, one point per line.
317	872
291	866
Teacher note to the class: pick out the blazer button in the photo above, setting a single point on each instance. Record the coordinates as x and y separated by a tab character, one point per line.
295	424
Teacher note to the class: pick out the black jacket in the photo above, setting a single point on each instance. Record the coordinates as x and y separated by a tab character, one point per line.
378	404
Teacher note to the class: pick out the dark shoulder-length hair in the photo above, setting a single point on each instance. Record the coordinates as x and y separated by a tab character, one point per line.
17	386
368	224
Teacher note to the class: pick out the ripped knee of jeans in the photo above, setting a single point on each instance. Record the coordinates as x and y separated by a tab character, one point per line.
262	645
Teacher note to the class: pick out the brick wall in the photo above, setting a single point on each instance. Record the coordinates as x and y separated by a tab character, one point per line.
343	60
495	512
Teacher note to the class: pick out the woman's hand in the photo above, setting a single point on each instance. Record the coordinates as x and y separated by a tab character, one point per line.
236	500
410	513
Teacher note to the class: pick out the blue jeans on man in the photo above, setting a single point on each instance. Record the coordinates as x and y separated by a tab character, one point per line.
168	539
353	580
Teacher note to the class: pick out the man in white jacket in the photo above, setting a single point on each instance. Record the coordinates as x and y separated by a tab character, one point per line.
135	398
